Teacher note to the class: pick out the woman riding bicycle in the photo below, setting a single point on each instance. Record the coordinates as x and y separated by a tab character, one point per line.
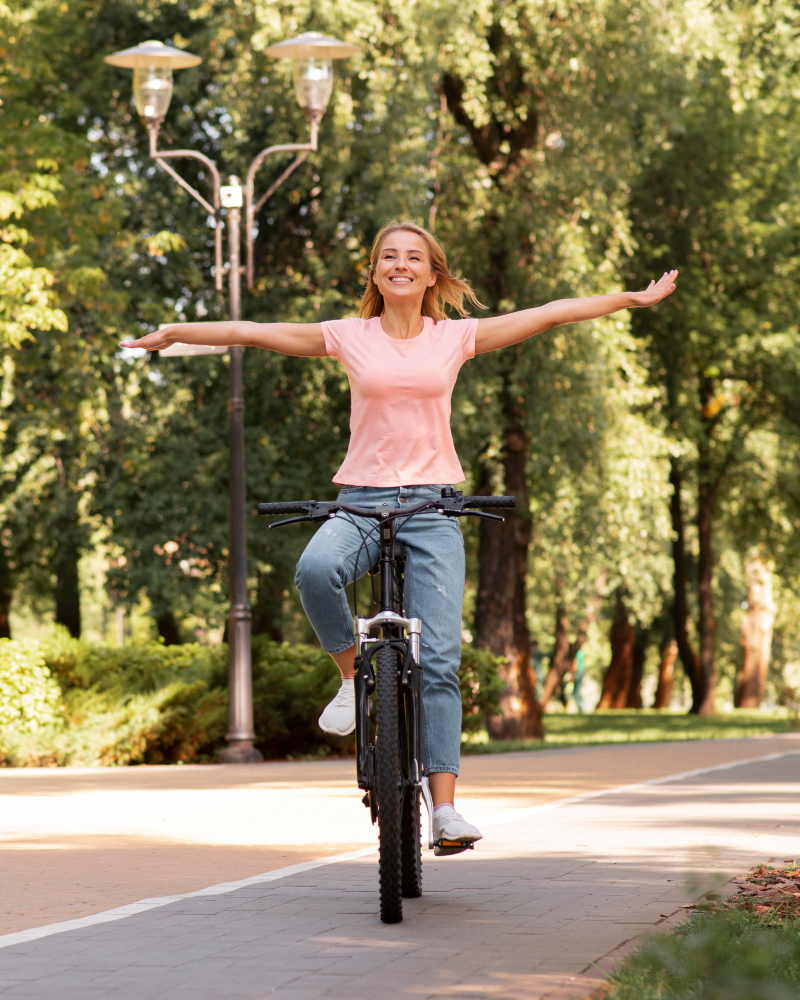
402	356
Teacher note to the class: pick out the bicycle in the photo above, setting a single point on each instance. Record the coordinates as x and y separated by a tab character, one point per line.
389	740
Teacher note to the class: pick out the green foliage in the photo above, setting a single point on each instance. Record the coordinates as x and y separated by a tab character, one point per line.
28	694
558	149
716	956
716	197
291	684
139	669
480	686
147	704
28	182
157	704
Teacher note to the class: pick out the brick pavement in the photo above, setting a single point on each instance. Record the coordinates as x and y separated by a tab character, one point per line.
548	896
74	841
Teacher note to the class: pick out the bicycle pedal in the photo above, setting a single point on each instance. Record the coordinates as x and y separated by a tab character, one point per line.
442	848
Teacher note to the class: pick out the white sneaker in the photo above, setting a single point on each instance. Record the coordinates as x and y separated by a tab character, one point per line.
339	716
452	833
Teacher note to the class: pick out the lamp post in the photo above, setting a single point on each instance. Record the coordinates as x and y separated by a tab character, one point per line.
153	63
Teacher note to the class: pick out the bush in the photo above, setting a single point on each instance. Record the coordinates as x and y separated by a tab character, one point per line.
291	685
29	697
481	687
142	704
727	955
154	704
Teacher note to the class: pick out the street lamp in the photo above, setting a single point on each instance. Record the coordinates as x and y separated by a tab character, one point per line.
152	63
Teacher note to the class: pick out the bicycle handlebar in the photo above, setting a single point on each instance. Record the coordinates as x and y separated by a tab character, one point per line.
290	507
452	506
475	502
488	503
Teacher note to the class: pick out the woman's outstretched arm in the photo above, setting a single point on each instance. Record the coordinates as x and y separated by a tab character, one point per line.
502	331
301	340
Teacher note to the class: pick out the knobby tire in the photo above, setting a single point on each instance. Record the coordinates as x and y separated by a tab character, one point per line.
387	780
411	845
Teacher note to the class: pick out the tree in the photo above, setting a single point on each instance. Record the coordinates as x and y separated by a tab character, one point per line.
716	197
38	279
532	184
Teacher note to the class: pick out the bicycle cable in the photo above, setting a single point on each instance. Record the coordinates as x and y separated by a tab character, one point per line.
366	537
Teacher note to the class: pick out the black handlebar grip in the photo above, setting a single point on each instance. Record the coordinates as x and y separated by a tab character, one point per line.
291	507
488	503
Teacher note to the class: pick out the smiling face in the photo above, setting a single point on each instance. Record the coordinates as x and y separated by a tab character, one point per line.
403	269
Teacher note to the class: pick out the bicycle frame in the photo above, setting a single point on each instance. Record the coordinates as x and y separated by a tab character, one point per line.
403	634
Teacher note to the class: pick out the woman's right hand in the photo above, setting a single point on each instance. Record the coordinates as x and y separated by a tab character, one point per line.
163	337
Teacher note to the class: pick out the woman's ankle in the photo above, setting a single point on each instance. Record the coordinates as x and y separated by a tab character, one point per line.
345	661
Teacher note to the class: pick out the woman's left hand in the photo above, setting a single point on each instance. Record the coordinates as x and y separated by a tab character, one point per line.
655	291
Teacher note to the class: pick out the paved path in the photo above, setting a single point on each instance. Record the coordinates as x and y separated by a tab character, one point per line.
549	892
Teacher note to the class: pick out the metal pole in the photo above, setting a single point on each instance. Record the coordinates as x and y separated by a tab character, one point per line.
240	734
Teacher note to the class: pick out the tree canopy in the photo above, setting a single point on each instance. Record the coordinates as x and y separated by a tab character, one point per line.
558	149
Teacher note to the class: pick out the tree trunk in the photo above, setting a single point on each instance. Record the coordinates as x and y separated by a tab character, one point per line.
707	680
68	595
5	593
634	695
564	651
67	548
268	606
666	675
680	607
756	636
500	623
618	676
168	628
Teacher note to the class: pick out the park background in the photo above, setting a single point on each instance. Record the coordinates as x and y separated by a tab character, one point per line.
557	149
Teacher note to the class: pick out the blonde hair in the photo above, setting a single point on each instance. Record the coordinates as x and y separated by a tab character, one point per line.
449	289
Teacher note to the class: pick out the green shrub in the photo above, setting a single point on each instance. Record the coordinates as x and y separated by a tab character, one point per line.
145	703
481	687
153	704
148	704
291	686
29	697
136	668
725	955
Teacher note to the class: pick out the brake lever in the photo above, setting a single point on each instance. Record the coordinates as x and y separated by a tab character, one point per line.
470	513
294	520
482	513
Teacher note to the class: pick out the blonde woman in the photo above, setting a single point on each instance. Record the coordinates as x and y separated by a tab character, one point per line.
402	356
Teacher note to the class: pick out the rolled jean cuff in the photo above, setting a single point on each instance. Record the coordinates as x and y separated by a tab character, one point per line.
440	769
339	649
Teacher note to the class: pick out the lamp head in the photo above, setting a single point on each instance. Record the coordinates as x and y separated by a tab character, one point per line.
152	63
313	55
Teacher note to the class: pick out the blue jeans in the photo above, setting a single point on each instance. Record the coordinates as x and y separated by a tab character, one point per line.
434	592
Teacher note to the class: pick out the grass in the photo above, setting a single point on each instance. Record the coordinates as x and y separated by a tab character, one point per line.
640	726
742	948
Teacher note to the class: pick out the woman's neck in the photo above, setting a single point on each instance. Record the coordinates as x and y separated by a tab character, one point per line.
403	324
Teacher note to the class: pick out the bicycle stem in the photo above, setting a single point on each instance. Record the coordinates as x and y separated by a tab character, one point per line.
388	534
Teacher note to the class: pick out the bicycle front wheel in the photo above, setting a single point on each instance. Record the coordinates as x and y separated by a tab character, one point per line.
388	781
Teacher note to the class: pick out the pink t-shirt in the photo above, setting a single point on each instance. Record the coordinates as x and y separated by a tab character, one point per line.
400	400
